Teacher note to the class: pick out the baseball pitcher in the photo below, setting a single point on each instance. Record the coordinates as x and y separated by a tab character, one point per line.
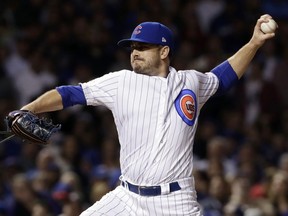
156	110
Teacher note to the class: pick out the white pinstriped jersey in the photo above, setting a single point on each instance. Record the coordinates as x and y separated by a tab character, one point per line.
156	119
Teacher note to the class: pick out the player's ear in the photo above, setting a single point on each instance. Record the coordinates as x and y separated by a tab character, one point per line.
164	52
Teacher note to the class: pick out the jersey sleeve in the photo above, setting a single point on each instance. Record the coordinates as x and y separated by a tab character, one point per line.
102	90
226	75
208	86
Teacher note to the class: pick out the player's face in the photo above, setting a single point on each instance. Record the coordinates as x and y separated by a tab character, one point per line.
145	58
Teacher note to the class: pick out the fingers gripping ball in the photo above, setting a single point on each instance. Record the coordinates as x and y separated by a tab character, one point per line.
30	127
269	27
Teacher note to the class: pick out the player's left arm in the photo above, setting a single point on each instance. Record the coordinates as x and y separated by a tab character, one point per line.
242	58
231	70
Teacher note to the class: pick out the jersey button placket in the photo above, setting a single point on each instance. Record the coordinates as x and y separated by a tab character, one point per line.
162	111
160	123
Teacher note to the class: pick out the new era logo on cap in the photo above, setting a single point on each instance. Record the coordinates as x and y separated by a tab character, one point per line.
152	33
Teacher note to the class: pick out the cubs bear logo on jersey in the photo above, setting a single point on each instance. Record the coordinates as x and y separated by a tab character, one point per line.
186	106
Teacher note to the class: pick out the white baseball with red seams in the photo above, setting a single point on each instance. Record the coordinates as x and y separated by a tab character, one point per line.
269	27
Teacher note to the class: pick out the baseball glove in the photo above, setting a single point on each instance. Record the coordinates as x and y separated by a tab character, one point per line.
30	127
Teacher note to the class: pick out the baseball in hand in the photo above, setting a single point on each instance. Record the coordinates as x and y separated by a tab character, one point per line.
269	27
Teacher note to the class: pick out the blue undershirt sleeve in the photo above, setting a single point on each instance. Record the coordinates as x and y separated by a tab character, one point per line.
226	75
71	95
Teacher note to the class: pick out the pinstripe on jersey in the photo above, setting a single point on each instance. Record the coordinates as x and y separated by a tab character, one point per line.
156	144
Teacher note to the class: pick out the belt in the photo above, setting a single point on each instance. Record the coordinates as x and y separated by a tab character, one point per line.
151	190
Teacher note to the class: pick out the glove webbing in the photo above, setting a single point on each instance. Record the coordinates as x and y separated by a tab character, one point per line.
20	131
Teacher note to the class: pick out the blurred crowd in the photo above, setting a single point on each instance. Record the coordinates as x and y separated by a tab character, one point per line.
241	147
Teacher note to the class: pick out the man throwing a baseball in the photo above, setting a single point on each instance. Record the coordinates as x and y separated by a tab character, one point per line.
156	110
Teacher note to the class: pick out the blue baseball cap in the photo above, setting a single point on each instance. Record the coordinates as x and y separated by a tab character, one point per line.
151	33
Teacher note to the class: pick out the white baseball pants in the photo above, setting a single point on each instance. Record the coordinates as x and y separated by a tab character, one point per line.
122	202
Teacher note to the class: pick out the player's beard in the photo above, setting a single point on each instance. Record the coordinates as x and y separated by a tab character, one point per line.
146	67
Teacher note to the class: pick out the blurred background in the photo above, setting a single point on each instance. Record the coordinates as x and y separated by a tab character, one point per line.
241	147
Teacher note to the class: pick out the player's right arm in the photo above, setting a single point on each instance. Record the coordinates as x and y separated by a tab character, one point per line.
99	91
57	99
49	101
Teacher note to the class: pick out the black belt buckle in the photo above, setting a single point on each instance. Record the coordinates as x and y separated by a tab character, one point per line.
141	188
149	190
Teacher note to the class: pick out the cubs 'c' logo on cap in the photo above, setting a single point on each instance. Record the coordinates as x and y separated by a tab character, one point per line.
137	30
186	106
